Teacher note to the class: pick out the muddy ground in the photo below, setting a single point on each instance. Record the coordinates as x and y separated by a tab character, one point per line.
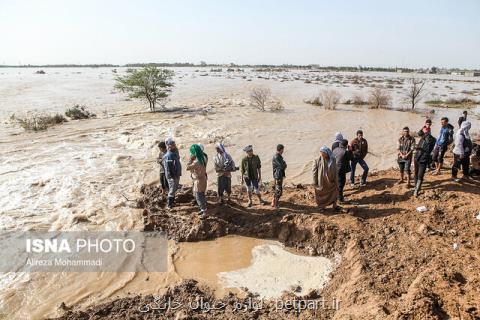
396	262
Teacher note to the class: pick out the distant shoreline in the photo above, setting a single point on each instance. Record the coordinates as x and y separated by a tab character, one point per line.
432	70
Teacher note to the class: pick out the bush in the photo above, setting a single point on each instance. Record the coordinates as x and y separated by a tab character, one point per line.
358	101
38	122
277	106
315	101
330	99
79	112
379	98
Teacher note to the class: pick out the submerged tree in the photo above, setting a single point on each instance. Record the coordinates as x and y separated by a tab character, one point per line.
415	92
259	97
149	83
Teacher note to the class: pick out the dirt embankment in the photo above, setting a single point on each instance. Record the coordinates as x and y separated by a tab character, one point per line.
396	262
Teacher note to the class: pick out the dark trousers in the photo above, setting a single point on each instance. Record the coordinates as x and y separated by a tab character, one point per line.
460	163
163	181
420	168
278	188
342	179
364	166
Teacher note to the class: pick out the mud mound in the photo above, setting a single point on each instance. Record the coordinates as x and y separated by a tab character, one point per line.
396	262
190	300
296	225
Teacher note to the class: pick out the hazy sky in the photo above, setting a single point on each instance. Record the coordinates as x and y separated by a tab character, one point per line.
405	33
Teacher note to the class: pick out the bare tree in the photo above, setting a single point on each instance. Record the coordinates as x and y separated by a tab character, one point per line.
415	91
379	98
259	97
330	99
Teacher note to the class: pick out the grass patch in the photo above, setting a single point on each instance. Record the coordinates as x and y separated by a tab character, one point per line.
453	103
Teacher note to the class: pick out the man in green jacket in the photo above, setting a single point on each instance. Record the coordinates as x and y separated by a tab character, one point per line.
251	174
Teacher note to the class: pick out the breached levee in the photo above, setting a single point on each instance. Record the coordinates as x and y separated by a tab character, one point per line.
274	270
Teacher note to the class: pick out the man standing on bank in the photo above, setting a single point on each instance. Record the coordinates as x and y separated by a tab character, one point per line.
342	156
173	170
445	137
279	165
359	147
406	145
462	151
251	170
224	166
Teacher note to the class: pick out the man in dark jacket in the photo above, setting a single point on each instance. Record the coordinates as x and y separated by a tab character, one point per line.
279	165
343	156
359	147
421	158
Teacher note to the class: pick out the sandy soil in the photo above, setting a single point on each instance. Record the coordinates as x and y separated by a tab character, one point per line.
396	263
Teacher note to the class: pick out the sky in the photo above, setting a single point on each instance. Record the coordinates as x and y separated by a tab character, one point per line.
402	33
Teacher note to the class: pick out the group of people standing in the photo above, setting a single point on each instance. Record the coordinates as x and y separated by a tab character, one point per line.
171	171
429	152
330	167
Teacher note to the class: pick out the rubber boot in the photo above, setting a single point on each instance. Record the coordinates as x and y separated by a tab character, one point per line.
418	186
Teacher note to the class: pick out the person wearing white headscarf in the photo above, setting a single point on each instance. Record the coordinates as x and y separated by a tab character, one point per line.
462	151
338	140
325	179
224	166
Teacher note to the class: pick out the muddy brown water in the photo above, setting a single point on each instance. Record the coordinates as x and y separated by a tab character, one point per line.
204	260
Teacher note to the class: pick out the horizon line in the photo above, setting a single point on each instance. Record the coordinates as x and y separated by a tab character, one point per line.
190	64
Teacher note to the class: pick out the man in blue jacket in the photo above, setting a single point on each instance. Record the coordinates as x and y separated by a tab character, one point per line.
445	138
173	170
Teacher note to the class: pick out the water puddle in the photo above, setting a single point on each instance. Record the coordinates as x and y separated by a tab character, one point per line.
263	266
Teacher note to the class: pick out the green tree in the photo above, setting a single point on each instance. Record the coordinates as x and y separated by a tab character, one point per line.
149	83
